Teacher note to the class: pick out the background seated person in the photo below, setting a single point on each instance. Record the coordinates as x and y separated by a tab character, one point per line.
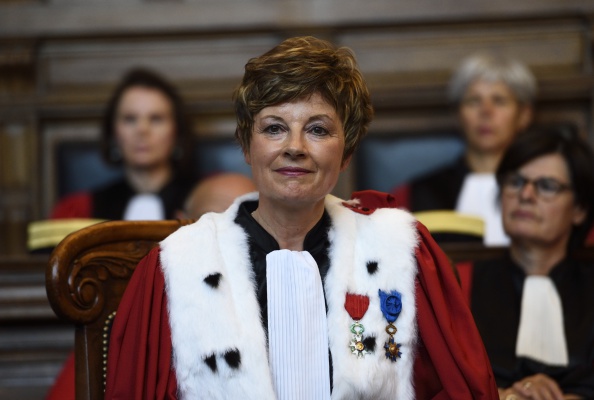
292	292
493	96
215	193
535	308
144	131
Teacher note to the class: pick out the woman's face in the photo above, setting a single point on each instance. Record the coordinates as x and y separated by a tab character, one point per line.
145	128
296	151
530	217
491	116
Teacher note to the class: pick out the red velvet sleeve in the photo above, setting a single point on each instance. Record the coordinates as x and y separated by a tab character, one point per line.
465	270
139	358
401	196
451	350
78	205
63	387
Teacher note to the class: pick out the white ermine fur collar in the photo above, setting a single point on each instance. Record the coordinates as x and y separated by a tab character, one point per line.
219	344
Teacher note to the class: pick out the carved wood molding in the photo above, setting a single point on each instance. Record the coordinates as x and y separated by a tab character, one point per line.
90	268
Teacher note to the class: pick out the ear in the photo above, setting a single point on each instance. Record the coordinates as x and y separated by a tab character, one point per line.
346	163
579	215
525	117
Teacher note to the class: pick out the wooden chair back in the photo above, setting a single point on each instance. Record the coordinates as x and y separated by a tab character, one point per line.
85	280
459	252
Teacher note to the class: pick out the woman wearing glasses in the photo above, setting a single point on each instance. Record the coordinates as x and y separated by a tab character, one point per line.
535	308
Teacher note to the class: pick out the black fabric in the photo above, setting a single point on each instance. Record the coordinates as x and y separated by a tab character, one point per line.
496	295
109	202
438	190
261	243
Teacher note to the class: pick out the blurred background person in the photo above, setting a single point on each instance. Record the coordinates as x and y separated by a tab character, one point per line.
216	193
493	96
535	307
144	131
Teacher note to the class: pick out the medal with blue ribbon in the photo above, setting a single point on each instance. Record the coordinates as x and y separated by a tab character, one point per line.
391	306
357	305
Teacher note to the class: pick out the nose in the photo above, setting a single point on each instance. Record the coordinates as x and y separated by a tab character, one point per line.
295	145
142	126
486	107
528	191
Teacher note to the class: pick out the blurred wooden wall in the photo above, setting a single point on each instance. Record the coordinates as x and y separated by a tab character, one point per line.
59	60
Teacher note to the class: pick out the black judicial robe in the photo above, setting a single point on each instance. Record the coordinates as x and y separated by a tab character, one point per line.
109	202
495	288
437	191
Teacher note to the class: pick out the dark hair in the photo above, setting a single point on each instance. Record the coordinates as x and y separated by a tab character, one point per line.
297	68
562	139
140	77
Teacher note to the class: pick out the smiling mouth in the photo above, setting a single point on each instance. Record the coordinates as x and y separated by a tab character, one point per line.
292	171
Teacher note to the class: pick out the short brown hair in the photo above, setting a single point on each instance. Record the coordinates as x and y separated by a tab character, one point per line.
297	68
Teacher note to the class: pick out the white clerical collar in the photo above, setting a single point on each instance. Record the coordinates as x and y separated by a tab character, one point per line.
297	326
478	197
146	206
541	335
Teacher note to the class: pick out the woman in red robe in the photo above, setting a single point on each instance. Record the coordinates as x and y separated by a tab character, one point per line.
293	293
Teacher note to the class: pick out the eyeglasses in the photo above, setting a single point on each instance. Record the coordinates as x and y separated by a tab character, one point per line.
546	188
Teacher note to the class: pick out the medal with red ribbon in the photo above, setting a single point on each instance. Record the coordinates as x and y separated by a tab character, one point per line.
357	305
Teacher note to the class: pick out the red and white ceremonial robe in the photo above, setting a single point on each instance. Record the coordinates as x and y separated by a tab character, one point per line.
172	327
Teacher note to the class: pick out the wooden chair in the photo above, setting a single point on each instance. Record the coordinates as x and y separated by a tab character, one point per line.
85	280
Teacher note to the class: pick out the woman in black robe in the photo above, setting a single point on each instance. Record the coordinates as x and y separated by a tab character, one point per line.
535	308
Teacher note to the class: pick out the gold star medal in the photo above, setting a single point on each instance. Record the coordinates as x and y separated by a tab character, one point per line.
391	305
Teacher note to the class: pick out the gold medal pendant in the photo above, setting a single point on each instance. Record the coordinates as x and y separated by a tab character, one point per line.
357	305
357	346
392	348
391	306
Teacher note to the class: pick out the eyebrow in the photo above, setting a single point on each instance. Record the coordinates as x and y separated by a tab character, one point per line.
324	117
